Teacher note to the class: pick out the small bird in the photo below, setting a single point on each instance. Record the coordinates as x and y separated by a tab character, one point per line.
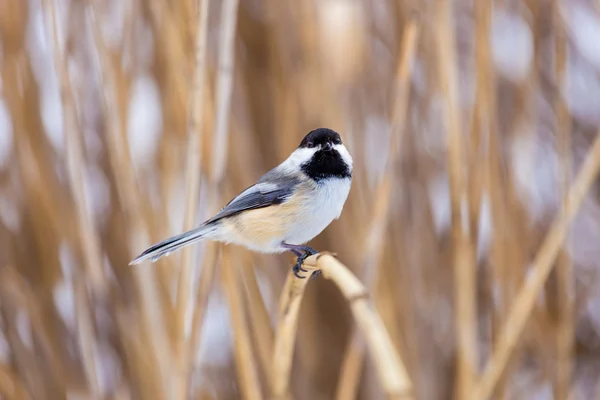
287	207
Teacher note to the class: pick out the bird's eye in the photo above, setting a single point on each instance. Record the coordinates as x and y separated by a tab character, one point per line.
310	144
338	141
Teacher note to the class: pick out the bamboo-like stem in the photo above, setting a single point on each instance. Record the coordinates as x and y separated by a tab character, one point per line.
120	161
260	322
229	11
16	294
244	358
354	356
352	368
287	326
390	368
219	153
75	159
541	266
565	282
10	386
185	281
87	232
486	103
463	254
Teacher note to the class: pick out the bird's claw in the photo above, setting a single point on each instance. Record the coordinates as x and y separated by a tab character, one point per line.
315	274
297	268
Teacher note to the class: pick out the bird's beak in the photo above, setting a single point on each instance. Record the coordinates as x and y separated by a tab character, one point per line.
327	147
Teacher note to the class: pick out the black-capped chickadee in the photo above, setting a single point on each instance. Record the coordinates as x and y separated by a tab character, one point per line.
287	207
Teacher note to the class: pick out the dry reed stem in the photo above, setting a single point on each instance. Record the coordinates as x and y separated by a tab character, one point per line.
354	356
152	313
463	249
17	292
75	158
86	230
10	385
260	322
86	335
229	12
185	281
172	44
493	184
244	358
565	279
285	336
540	269
390	368
219	153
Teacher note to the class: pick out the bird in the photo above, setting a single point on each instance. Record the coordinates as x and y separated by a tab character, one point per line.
285	209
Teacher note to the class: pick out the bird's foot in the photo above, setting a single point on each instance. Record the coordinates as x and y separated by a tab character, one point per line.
303	252
298	266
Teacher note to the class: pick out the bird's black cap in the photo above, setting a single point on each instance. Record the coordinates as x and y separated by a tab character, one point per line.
320	136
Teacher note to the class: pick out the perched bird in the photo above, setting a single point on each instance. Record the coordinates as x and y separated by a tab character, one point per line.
286	208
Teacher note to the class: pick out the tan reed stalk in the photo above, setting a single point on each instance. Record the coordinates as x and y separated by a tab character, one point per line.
196	124
24	361
113	103
463	250
564	268
75	158
171	42
260	323
481	124
541	266
10	385
86	230
244	358
486	106
19	297
229	10
390	368
354	356
285	335
219	153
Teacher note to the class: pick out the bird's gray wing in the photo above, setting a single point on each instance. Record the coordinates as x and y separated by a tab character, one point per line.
273	188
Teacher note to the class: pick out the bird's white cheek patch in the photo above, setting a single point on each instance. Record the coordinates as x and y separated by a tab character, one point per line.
344	153
297	158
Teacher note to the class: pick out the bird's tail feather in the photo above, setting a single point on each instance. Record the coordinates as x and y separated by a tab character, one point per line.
174	243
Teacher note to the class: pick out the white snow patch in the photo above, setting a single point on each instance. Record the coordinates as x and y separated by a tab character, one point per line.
582	90
4	349
64	301
113	23
9	212
24	328
485	227
52	119
439	199
376	144
176	204
108	367
144	124
97	193
583	25
512	45
6	134
67	261
41	48
533	162
215	349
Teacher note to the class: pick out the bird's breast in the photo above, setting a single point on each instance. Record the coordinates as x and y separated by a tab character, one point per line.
300	218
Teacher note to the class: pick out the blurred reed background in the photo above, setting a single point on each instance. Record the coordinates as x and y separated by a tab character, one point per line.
124	121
